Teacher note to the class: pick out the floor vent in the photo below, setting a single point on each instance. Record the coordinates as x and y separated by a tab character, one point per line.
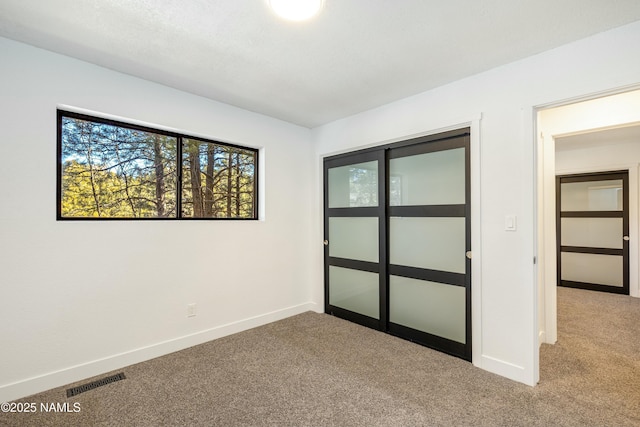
95	384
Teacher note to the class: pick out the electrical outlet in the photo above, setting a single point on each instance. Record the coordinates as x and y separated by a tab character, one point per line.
191	310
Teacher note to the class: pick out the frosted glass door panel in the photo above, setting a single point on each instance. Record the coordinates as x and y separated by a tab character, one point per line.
354	238
354	186
592	232
436	178
354	290
430	307
592	268
591	196
431	243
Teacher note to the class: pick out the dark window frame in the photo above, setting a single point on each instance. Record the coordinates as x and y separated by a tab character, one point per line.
180	138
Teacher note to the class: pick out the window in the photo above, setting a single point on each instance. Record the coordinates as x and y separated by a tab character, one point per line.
114	170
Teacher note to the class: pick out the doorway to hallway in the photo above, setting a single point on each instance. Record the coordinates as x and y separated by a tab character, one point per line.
595	135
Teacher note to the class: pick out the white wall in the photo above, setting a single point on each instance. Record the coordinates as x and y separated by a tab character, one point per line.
606	156
505	292
80	298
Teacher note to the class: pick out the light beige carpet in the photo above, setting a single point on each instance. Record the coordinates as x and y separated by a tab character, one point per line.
317	370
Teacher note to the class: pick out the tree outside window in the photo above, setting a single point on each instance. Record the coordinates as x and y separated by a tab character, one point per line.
111	170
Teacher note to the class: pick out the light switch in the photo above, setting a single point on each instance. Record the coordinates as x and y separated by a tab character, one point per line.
510	223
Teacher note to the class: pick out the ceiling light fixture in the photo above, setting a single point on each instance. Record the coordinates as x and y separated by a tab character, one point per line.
296	10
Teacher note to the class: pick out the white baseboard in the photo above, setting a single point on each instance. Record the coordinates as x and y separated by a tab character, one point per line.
542	338
72	374
506	369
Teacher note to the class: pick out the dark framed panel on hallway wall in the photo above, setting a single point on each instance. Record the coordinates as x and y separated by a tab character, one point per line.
592	229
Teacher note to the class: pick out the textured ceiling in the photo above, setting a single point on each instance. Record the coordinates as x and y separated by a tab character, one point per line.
356	55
